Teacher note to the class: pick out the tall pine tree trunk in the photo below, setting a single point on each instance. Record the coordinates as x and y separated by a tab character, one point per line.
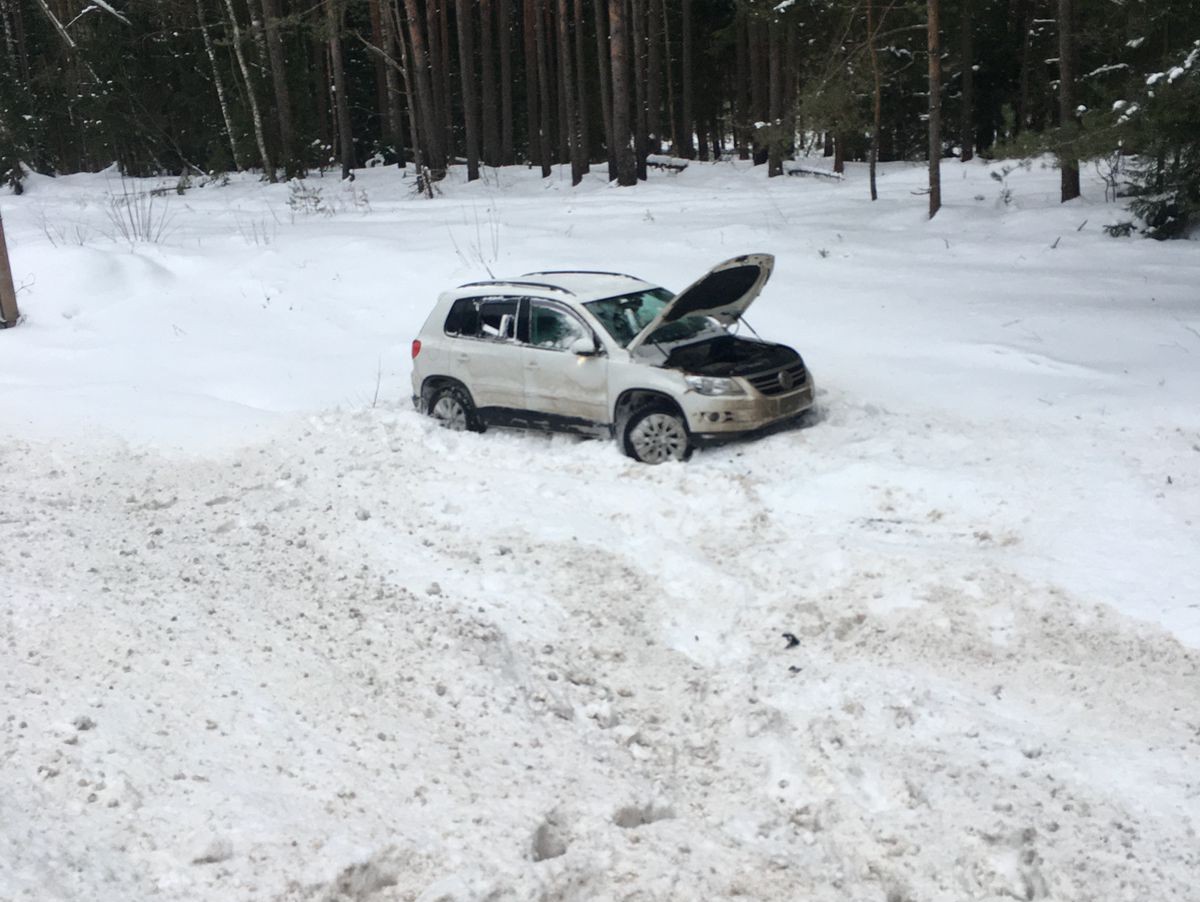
533	113
775	92
1066	95
430	126
470	95
389	29
877	96
604	64
967	120
487	82
504	26
292	166
654	75
585	144
543	81
636	12
687	101
619	43
935	109
567	77
333	21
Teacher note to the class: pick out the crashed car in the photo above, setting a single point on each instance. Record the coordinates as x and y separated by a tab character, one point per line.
609	354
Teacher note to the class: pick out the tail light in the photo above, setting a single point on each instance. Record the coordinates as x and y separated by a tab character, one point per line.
416	347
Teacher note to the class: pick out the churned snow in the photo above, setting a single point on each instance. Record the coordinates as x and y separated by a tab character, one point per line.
267	634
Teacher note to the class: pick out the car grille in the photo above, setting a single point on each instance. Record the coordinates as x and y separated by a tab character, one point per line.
781	381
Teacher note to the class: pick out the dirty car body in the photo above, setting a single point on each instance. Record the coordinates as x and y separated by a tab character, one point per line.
609	354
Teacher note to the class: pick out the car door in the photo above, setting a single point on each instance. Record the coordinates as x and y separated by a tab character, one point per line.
559	382
487	357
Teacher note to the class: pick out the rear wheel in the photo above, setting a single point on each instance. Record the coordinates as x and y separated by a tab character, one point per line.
452	407
655	434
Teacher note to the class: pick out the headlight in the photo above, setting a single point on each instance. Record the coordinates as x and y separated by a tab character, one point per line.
713	385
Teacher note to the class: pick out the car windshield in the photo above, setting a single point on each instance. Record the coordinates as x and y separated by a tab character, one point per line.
625	316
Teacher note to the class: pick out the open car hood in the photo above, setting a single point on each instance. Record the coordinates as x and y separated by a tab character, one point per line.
723	293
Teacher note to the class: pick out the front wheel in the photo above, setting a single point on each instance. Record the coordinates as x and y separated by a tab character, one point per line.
655	434
452	407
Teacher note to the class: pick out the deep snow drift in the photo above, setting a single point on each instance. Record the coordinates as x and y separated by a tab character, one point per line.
267	634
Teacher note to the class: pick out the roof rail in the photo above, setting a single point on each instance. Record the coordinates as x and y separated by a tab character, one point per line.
584	272
519	283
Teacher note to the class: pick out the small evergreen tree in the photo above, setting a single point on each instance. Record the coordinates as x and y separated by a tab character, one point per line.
1163	128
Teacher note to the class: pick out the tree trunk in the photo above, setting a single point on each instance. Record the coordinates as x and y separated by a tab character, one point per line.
619	43
292	166
9	314
585	144
935	110
435	155
504	26
415	119
1066	95
604	64
1024	116
967	120
333	21
389	26
672	118
487	82
533	113
251	94
543	81
567	78
219	83
654	120
470	95
877	97
741	87
381	71
687	111
636	12
775	108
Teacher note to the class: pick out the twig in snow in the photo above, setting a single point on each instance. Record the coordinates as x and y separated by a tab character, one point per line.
1055	244
1081	225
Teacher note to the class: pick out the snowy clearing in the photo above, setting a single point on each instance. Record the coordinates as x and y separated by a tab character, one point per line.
267	634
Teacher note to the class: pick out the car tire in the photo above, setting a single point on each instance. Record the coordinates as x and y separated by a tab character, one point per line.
452	407
655	433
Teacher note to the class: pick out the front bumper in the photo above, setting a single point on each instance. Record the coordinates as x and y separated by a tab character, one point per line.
730	415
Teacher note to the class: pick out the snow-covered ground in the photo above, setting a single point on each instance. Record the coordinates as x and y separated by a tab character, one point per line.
266	634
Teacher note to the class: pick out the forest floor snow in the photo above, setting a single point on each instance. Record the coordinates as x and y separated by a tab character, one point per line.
267	634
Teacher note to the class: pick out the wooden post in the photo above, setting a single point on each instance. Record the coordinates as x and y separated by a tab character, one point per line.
9	314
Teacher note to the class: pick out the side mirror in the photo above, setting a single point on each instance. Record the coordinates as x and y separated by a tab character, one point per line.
585	347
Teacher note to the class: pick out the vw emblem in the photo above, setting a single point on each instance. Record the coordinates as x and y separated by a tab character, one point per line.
785	380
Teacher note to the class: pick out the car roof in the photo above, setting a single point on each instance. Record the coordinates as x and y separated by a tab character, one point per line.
581	286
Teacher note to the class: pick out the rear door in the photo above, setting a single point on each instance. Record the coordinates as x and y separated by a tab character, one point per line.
558	382
485	355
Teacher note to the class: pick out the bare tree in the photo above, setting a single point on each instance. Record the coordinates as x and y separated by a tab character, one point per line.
543	83
935	110
421	85
1066	95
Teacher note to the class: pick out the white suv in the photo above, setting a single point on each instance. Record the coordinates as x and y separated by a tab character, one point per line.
609	354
